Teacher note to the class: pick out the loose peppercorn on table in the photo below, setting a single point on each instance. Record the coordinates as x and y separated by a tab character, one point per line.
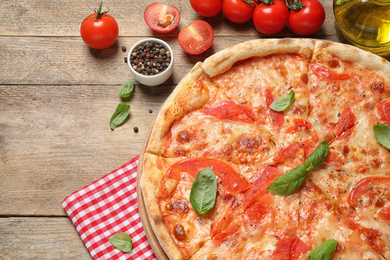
57	96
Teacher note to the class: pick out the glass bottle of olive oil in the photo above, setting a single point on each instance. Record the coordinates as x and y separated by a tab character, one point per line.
364	23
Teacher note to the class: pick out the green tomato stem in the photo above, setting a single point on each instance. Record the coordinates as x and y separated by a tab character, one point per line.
99	12
268	2
295	6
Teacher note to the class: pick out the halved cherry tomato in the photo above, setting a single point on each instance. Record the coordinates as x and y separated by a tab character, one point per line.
162	18
196	37
99	30
238	11
308	19
271	18
206	8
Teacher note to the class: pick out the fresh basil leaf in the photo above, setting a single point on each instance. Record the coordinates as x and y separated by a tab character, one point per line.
382	134
126	89
324	251
284	102
204	191
288	183
120	115
318	157
122	242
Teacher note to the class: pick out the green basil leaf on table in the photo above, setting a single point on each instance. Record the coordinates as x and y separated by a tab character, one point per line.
284	102
122	242
324	251
126	89
288	183
382	134
204	191
318	157
120	115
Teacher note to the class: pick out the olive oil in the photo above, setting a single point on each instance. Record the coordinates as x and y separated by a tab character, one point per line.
364	23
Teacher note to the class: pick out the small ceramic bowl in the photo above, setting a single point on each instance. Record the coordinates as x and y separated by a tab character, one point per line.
151	80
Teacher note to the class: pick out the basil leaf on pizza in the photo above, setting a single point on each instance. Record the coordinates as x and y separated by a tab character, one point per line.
204	191
283	103
126	89
382	134
318	157
120	115
288	183
324	251
122	242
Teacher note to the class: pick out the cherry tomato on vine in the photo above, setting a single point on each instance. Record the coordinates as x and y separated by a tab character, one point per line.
99	30
206	8
196	37
270	17
307	19
238	11
162	18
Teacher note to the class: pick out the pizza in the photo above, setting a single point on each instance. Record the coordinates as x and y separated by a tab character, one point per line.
273	149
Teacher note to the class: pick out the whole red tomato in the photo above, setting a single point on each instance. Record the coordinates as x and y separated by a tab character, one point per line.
206	8
162	18
238	11
99	30
196	37
271	18
307	19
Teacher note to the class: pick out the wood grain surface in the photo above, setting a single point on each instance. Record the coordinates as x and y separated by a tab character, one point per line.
56	99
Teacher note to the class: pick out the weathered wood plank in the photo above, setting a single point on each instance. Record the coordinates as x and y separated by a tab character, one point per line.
56	139
40	238
63	18
67	60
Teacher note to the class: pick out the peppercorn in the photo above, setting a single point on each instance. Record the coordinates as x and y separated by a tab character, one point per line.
150	58
123	48
136	129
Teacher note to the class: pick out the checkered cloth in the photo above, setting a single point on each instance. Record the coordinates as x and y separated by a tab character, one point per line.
108	206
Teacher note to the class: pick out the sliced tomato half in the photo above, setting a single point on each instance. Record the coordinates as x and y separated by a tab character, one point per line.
196	37
162	18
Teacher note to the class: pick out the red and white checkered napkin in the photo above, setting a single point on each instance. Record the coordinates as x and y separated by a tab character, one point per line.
108	206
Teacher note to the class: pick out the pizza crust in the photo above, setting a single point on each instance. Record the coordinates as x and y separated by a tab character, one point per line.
324	50
187	96
225	59
153	172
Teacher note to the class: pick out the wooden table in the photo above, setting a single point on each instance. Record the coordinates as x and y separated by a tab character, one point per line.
56	98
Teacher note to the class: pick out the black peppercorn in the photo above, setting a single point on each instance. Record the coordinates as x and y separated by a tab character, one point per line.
150	58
